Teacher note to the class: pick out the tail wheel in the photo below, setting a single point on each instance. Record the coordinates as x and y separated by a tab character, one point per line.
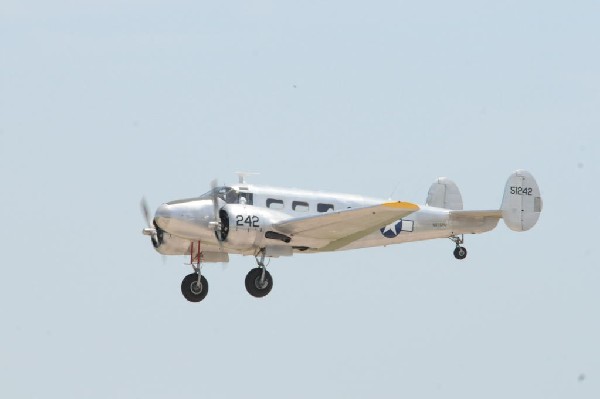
191	290
256	285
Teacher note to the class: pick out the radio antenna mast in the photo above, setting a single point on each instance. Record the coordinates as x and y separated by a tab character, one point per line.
242	176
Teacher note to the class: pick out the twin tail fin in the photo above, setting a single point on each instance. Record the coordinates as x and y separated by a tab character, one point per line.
521	204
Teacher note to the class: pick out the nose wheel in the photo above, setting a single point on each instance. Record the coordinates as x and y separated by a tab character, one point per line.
459	252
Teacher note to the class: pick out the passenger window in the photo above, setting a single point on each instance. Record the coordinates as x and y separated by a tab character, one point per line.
324	207
300	206
274	203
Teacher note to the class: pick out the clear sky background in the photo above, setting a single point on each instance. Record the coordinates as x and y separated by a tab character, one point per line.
102	102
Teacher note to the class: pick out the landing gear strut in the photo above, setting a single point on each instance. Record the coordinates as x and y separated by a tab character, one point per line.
460	252
258	280
194	287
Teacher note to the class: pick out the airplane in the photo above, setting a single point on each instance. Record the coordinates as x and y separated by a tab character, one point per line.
269	222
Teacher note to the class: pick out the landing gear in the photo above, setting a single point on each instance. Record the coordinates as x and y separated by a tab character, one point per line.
258	280
459	252
194	287
258	285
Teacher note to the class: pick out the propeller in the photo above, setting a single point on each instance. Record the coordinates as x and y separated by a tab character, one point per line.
151	230
216	223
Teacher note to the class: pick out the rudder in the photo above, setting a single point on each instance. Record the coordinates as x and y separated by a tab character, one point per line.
444	193
522	201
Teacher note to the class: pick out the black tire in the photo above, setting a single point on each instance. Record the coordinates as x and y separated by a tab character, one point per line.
253	283
460	253
189	288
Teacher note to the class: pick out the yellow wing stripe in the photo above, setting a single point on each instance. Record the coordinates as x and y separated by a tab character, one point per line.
402	205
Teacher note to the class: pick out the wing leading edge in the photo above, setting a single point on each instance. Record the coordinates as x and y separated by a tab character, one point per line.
344	227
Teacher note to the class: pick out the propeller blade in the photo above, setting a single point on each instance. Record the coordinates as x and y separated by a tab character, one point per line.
215	200
151	230
145	211
216	223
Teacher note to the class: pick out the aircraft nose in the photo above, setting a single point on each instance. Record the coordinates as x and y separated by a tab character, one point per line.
162	216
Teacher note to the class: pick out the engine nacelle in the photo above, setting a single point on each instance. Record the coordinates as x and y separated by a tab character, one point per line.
246	225
172	245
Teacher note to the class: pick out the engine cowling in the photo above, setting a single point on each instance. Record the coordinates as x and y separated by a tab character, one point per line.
251	227
247	225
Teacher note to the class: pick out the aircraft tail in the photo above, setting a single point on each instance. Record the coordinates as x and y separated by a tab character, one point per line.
444	193
522	201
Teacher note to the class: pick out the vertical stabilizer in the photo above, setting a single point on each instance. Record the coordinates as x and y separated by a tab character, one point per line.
522	201
444	193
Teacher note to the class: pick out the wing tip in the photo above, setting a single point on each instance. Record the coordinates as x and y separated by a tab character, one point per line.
402	205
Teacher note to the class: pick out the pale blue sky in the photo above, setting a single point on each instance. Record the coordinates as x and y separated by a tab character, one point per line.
103	102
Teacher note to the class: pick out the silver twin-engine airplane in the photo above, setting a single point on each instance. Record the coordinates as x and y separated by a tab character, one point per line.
268	222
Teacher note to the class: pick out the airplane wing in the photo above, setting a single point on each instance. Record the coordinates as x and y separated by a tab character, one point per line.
344	227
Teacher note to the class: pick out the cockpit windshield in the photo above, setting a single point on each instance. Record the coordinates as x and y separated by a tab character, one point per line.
227	194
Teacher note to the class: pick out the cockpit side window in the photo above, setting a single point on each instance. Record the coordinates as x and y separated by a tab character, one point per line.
246	197
227	194
230	196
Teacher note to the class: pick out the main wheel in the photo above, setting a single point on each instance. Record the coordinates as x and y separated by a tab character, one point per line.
191	290
254	286
460	253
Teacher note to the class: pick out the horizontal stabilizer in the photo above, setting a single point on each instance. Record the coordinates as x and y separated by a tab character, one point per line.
474	222
476	214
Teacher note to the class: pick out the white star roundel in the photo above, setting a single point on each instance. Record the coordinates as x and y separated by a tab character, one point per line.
392	230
